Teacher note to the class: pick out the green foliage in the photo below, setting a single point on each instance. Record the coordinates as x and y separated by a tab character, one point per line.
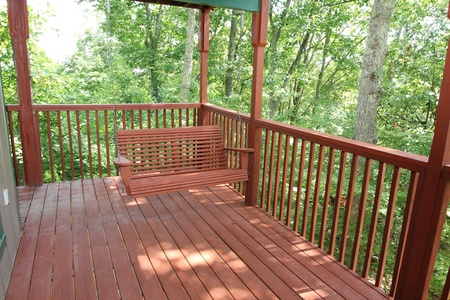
45	80
6	61
413	74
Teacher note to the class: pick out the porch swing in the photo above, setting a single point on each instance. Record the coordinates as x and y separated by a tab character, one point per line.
162	160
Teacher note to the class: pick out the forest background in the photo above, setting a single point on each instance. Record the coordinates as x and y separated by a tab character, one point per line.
143	53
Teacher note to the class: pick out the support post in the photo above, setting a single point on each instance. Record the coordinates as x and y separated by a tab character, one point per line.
203	45
28	121
430	207
259	41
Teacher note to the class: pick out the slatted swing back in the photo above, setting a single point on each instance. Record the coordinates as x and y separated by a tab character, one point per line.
157	152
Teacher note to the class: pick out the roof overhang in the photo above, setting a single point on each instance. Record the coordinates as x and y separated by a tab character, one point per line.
247	5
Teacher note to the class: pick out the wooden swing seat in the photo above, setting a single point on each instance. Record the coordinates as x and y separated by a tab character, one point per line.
162	160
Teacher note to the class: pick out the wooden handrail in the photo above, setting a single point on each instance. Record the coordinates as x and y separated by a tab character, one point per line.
98	107
226	112
398	158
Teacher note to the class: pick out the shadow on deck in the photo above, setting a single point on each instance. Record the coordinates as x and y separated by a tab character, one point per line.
85	239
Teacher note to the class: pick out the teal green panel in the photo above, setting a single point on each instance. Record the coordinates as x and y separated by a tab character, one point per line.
2	239
249	5
2	244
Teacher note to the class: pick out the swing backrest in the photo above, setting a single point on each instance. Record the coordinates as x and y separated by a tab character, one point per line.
160	151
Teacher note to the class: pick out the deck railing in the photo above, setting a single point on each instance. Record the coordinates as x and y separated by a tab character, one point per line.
78	141
352	199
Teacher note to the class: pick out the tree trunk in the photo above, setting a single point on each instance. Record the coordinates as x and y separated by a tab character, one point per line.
231	53
152	43
322	66
372	69
188	56
275	100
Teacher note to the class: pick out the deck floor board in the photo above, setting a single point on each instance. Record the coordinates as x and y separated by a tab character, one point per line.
88	240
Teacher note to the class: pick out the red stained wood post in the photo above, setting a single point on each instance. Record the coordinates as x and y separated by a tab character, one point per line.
430	207
29	122
203	45
259	41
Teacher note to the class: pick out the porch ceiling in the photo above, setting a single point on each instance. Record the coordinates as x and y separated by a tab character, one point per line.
247	5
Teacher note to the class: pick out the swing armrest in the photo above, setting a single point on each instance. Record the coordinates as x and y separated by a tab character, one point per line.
244	153
124	166
122	161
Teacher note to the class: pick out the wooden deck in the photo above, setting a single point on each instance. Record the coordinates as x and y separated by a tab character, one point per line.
86	240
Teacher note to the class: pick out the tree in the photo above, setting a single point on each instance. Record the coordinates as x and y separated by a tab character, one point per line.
231	53
372	70
413	74
188	56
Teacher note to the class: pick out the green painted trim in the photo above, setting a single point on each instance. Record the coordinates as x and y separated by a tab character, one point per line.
2	244
248	5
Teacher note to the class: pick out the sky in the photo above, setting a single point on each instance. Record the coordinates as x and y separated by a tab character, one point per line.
62	30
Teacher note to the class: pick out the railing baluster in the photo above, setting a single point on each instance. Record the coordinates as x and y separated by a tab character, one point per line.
99	147
172	118
195	121
132	118
72	159
337	202
291	182
141	121
124	119
61	146
108	161
50	147
271	171
267	136
241	145
164	118
309	178
446	290
277	176
315	206
361	213
88	131
326	199
388	225
287	147
374	219
80	147
299	186
348	207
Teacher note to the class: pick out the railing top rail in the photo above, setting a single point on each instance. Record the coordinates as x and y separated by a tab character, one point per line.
99	107
413	162
226	112
395	157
